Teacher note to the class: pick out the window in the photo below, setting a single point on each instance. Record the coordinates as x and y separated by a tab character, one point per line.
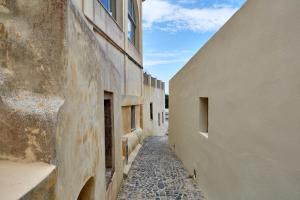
110	6
158	119
151	111
132	117
162	117
203	117
109	137
131	22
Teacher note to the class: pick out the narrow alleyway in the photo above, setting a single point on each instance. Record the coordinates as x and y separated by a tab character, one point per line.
158	174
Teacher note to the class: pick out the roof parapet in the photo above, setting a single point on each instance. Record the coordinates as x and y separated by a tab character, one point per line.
150	80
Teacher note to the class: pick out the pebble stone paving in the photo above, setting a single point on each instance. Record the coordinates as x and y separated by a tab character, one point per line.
158	174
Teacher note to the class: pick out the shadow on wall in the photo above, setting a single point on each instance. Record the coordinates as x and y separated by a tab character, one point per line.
88	190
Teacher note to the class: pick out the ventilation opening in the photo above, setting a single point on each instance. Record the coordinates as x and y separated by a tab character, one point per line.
109	142
87	192
203	114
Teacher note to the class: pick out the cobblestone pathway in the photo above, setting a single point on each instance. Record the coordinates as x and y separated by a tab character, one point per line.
157	174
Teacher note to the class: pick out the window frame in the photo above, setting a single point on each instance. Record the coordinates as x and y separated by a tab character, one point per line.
132	118
110	7
132	22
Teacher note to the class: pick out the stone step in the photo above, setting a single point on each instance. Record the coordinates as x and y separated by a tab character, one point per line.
28	126
24	181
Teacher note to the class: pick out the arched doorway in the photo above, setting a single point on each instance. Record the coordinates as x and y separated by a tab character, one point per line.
87	192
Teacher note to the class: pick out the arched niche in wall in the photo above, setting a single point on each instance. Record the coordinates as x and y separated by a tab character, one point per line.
87	191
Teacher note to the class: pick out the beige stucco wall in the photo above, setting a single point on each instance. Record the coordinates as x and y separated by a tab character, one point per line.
90	72
55	68
157	97
31	78
250	72
104	68
134	79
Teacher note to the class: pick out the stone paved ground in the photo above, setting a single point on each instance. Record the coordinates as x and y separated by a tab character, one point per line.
158	174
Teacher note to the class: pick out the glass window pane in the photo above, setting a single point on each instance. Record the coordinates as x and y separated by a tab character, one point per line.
129	30
131	22
130	7
105	3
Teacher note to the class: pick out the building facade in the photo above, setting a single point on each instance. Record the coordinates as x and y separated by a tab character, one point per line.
71	96
235	106
154	120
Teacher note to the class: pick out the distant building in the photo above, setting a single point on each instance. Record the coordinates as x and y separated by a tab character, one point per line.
235	106
154	122
71	96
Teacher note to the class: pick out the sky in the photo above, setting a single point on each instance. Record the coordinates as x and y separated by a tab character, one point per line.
174	30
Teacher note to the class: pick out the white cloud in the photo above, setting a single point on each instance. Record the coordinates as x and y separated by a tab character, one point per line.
186	1
149	63
165	16
167	54
154	58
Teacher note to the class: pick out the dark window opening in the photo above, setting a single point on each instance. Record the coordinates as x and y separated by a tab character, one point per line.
167	101
158	119
162	117
203	114
132	118
151	111
109	144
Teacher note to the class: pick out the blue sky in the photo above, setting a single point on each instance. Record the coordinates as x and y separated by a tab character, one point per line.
174	30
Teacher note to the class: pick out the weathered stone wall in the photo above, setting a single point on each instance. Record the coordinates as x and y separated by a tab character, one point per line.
80	141
32	44
31	76
250	73
57	58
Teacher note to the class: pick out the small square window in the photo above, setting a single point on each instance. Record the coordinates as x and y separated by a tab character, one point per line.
203	116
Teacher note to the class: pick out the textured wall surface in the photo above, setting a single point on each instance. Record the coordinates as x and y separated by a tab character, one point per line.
250	72
32	66
31	78
54	70
90	72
